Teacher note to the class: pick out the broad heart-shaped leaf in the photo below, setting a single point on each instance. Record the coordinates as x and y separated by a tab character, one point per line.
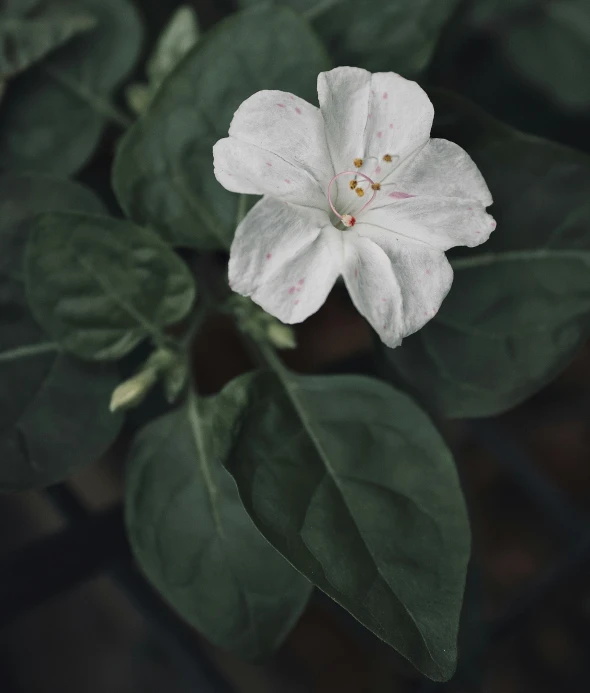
352	483
194	540
24	41
519	307
54	413
163	172
52	116
99	285
548	43
379	35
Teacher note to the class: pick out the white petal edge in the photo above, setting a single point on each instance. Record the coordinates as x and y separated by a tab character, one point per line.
286	258
276	146
397	285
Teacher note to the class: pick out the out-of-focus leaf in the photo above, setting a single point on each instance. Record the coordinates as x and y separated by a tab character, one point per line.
54	415
398	35
193	538
24	41
163	172
178	37
53	114
99	285
519	307
547	43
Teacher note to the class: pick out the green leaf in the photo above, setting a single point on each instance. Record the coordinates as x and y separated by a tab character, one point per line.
99	285
194	540
24	41
398	35
351	482
519	307
547	43
163	172
53	115
54	415
179	36
554	53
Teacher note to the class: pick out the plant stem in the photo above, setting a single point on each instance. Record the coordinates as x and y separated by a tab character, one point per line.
28	350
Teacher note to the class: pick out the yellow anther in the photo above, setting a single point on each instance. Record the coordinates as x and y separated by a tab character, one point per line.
376	186
353	184
388	158
360	192
358	163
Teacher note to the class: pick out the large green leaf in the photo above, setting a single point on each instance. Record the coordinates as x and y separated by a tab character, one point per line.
99	285
548	43
163	173
53	115
398	35
352	483
24	41
194	540
54	413
519	307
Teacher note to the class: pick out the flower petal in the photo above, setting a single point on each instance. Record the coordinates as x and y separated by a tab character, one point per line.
436	221
440	169
369	116
438	197
397	285
276	146
286	258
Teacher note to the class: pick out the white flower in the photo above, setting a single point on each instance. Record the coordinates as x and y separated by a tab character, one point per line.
355	188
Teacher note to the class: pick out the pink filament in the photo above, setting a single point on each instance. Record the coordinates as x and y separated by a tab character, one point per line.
354	173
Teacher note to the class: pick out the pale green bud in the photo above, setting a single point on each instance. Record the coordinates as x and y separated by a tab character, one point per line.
281	336
133	391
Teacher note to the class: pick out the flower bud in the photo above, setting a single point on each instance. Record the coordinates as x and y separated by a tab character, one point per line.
281	336
133	391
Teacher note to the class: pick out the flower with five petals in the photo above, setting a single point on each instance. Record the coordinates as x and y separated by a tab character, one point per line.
355	188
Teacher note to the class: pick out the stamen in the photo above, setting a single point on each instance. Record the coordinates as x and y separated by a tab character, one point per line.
358	163
352	184
376	186
388	158
347	219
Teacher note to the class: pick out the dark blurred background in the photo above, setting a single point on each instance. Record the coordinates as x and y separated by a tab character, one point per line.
76	616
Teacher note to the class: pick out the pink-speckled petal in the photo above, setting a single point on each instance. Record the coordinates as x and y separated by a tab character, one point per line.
286	258
276	146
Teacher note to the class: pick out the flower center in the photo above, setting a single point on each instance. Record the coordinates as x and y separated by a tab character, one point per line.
347	219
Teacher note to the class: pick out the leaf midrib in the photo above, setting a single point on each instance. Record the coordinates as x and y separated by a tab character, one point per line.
28	350
150	328
283	376
487	259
